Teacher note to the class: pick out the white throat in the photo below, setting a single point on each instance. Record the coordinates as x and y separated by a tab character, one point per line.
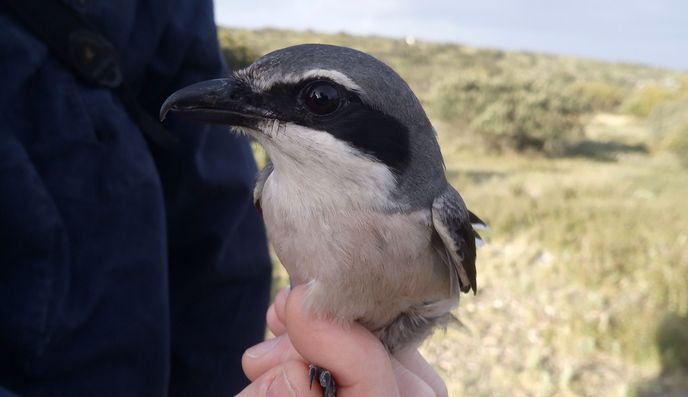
314	172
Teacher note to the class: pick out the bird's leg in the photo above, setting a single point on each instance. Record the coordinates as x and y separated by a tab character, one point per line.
325	380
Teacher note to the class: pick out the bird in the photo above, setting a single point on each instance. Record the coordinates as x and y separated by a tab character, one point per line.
355	199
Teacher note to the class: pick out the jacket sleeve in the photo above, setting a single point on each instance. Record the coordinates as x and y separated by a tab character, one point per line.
32	240
6	393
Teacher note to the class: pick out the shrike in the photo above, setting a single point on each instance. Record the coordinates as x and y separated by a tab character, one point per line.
355	199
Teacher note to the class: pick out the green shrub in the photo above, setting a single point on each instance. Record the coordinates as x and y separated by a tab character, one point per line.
672	342
677	143
514	113
668	124
237	53
600	95
644	100
465	98
667	117
528	121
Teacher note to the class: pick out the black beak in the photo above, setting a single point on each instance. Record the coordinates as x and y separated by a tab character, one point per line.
220	101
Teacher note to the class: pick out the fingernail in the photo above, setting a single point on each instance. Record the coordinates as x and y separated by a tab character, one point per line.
262	348
281	386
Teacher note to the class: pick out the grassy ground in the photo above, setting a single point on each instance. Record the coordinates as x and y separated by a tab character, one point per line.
583	285
586	257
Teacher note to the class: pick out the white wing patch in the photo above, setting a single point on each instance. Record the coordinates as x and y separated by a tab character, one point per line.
481	227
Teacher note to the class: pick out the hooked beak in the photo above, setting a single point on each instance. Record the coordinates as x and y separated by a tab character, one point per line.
220	101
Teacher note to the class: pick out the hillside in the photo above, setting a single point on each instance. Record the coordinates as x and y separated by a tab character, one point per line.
580	167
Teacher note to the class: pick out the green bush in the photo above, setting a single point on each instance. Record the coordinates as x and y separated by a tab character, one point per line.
508	112
237	54
464	99
644	100
600	95
668	124
667	117
528	122
677	143
672	342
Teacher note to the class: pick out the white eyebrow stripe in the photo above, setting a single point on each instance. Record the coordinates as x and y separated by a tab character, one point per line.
333	75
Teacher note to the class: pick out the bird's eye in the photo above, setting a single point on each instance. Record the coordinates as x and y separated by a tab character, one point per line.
321	98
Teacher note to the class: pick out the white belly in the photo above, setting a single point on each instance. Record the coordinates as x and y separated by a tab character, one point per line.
359	264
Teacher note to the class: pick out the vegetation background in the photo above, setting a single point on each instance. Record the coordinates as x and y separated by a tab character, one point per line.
581	169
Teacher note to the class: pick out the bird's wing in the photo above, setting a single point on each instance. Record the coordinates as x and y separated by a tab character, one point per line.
260	183
476	222
452	222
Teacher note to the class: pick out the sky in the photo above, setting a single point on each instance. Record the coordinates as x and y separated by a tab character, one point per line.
652	32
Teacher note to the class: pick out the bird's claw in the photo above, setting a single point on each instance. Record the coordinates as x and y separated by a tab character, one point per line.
325	380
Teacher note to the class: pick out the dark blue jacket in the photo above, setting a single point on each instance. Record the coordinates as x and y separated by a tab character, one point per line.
121	273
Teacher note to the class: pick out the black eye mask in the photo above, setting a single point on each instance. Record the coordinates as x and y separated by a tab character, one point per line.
327	106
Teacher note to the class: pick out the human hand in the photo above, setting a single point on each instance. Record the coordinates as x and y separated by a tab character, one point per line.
357	360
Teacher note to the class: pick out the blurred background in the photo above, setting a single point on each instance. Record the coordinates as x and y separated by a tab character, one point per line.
565	126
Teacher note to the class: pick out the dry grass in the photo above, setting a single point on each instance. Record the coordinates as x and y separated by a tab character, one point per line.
585	259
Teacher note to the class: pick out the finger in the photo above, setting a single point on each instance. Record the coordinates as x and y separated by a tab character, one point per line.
410	384
353	355
275	315
289	379
275	326
412	360
260	358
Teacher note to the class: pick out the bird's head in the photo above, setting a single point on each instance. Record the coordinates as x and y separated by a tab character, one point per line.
324	108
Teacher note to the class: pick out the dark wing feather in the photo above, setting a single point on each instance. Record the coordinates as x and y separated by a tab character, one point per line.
476	222
260	183
452	222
